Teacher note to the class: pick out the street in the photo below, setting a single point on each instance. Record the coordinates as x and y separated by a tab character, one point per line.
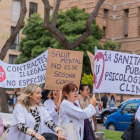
101	126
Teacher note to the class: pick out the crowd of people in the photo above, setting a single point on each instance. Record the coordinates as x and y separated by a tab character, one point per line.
34	120
64	115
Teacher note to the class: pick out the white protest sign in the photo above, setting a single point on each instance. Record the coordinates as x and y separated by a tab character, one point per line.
17	76
116	72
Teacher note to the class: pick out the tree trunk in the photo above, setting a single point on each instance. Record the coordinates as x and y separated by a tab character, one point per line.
6	47
3	99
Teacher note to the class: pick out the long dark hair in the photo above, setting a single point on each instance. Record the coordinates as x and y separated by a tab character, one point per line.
112	97
82	86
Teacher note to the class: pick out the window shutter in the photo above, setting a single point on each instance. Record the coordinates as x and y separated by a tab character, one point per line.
104	23
15	10
126	27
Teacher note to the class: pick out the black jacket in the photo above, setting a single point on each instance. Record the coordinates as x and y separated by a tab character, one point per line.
132	132
104	99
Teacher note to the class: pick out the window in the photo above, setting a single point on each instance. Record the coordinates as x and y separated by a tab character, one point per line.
104	29
130	108
15	45
105	22
15	10
51	11
105	13
126	12
139	21
33	8
12	59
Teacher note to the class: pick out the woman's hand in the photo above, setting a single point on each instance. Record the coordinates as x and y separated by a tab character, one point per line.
100	104
60	135
93	101
57	107
39	137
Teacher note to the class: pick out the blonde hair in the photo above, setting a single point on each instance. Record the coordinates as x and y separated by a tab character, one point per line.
50	96
24	99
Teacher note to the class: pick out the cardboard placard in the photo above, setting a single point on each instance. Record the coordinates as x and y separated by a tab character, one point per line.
63	66
91	57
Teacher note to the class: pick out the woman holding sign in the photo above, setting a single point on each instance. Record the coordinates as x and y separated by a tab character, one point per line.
52	106
71	111
84	101
30	117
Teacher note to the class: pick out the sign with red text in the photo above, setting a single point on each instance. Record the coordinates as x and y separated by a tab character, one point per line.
18	76
116	72
63	66
2	74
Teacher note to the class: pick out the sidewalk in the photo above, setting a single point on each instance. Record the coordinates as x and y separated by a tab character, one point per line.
4	136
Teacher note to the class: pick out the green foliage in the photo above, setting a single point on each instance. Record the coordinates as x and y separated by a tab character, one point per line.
4	36
87	79
112	45
112	135
72	24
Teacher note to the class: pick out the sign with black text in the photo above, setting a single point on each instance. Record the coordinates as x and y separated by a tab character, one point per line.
63	66
116	72
20	75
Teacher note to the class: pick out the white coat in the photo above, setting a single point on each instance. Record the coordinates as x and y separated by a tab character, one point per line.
68	110
90	119
21	115
50	105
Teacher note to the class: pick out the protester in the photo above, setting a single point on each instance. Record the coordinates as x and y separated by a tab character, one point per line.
14	100
112	101
104	99
45	94
52	106
69	109
8	100
1	126
132	132
84	101
30	116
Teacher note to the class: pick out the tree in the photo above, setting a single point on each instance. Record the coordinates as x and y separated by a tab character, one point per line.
6	47
71	23
112	45
56	33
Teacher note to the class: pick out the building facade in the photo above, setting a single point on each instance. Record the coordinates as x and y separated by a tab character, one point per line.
9	15
120	20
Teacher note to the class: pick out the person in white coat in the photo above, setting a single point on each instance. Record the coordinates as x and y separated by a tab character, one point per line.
52	106
30	116
69	109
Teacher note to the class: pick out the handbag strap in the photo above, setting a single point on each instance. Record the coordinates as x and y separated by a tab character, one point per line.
59	123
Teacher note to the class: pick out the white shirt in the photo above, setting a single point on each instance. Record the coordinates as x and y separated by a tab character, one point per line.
21	115
68	110
50	105
90	118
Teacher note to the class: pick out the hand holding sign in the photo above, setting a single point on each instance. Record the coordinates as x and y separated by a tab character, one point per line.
93	101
